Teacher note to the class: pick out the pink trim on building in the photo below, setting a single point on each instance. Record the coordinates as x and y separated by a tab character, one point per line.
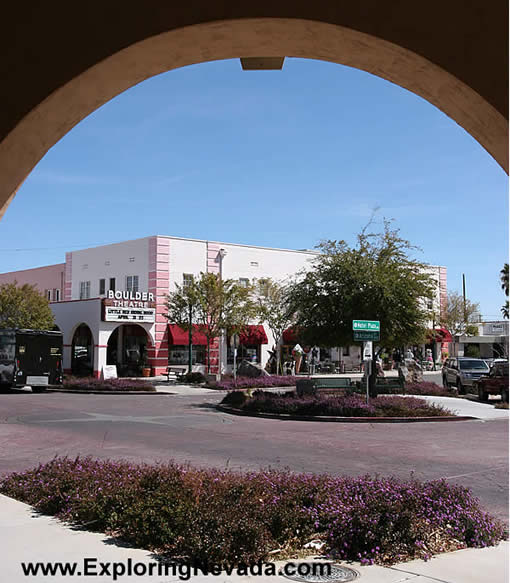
159	285
68	277
443	290
213	265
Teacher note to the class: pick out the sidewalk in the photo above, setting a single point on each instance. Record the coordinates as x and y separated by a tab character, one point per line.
25	536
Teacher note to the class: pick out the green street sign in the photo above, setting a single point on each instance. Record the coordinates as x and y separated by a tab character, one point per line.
373	325
366	335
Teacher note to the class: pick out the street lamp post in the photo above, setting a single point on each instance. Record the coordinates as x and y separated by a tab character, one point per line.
190	339
221	254
434	341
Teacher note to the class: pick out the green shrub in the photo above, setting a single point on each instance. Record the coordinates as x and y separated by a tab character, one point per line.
194	378
235	398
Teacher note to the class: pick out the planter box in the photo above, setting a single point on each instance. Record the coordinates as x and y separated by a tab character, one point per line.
212	378
305	387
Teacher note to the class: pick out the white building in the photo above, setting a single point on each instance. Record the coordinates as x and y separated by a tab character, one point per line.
109	301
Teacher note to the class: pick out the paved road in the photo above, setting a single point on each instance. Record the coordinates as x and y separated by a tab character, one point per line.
34	428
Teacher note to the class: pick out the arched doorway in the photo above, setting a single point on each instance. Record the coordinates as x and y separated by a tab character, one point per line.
128	350
462	68
82	351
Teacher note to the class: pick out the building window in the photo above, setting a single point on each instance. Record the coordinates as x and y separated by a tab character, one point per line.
131	260
179	354
345	351
47	293
84	290
112	283
85	266
254	263
132	283
56	295
107	262
244	282
187	279
102	287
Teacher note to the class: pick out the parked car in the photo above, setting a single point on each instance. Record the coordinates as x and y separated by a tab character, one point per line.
463	372
492	361
495	383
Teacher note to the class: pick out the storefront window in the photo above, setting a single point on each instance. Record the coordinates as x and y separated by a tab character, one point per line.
179	354
244	352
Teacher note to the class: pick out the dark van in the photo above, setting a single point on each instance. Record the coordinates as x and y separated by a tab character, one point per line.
30	357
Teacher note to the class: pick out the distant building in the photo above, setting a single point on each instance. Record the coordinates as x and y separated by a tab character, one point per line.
491	341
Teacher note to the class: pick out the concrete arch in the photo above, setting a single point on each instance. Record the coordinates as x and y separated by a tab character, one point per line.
453	55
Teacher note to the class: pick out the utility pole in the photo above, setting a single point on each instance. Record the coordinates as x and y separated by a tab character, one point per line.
464	296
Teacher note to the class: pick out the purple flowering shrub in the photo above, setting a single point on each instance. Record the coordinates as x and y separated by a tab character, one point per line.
343	406
428	388
93	384
258	382
225	516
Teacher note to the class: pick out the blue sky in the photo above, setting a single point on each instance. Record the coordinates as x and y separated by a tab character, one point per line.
287	157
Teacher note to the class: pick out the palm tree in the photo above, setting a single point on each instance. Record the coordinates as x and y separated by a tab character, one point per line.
503	276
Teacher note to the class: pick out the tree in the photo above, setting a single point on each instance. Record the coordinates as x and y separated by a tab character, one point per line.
503	276
456	318
374	280
24	307
274	310
212	305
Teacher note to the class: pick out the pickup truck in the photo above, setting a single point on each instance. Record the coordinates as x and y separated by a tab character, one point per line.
495	383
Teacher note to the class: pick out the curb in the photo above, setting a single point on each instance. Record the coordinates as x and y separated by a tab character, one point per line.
287	417
80	392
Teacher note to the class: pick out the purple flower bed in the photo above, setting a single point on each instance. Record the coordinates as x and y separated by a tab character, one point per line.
224	516
92	384
349	406
258	382
427	388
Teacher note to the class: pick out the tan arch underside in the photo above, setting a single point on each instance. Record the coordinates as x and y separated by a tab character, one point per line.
38	131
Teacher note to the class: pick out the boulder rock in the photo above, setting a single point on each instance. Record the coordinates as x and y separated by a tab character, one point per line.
250	369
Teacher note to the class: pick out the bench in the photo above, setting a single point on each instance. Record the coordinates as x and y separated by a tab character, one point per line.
389	386
324	386
176	372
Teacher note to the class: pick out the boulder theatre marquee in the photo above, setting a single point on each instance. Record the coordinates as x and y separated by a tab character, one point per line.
109	301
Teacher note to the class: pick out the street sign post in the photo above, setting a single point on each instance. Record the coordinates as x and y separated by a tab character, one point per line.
234	341
367	331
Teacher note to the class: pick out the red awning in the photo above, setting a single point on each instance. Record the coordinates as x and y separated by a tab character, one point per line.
290	336
442	335
177	336
253	335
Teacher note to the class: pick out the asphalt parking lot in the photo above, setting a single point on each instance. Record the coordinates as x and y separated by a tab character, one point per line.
187	428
